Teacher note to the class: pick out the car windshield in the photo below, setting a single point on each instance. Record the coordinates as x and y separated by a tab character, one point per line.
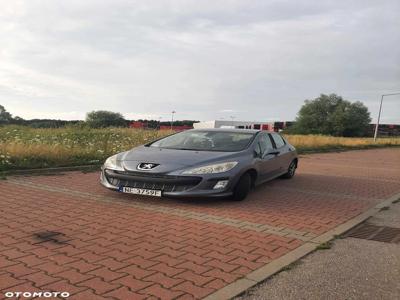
206	141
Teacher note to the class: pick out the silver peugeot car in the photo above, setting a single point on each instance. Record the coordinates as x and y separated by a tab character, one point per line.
201	163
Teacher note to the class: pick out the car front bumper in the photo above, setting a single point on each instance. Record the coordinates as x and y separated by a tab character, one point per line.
170	185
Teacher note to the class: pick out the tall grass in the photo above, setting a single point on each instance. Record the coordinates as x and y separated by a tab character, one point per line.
24	147
305	143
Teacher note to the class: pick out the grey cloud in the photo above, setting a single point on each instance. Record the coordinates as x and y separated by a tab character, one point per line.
259	59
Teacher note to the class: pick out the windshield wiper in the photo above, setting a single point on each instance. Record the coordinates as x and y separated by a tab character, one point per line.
190	149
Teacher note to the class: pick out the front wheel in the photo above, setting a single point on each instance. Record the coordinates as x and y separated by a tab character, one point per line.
291	170
242	188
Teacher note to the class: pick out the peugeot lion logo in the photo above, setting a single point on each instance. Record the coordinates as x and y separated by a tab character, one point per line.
146	166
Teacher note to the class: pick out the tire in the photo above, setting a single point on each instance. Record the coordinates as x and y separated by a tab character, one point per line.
291	170
242	188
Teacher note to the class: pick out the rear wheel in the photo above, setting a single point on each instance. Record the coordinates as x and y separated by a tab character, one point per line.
291	170
242	188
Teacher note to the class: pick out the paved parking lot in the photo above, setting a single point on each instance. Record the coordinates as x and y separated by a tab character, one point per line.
65	232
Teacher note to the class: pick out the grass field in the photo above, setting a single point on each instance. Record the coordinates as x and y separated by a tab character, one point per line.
26	148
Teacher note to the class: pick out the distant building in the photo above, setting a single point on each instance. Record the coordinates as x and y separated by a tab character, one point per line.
385	130
137	124
270	126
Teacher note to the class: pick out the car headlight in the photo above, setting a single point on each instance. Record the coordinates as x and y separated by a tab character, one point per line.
113	164
212	169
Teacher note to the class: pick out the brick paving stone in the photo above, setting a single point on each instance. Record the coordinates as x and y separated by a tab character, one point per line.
19	270
106	274
50	268
162	293
222	257
226	267
170	261
41	278
7	281
70	250
146	254
165	281
98	286
63	286
4	262
62	259
111	263
13	253
141	262
73	276
197	279
190	288
8	240
200	260
132	283
227	277
170	252
29	260
24	246
198	269
120	244
124	293
83	266
136	272
87	295
41	252
185	297
216	284
167	270
91	257
246	263
244	270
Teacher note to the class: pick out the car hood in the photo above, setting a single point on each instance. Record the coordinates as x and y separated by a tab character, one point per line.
169	159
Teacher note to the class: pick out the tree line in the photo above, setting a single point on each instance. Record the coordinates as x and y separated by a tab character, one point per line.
326	114
94	119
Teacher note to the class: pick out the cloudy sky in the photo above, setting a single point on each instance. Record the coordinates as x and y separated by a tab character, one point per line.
254	60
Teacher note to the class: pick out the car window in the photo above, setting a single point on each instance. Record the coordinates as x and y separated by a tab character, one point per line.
206	141
279	141
265	143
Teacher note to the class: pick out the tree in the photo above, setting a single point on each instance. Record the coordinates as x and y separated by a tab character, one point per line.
102	118
5	116
331	115
18	120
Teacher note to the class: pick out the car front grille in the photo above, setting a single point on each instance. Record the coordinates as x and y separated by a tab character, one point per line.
164	183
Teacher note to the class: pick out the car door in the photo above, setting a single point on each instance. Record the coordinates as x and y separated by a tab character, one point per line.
283	156
267	164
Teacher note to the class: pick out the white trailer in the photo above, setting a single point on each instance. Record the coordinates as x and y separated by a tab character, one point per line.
233	124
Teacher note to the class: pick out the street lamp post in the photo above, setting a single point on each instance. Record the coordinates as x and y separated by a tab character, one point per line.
379	115
172	118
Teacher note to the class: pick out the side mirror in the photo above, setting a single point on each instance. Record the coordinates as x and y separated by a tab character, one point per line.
257	154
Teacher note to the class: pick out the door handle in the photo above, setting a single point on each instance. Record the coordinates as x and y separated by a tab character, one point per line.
273	153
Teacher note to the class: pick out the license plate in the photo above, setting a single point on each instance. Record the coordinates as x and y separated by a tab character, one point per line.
136	191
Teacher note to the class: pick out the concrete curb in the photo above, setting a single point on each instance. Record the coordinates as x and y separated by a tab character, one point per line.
238	287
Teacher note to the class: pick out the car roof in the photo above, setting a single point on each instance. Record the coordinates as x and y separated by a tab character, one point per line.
227	130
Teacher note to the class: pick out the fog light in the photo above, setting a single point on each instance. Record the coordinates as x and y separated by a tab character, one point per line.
114	181
221	184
